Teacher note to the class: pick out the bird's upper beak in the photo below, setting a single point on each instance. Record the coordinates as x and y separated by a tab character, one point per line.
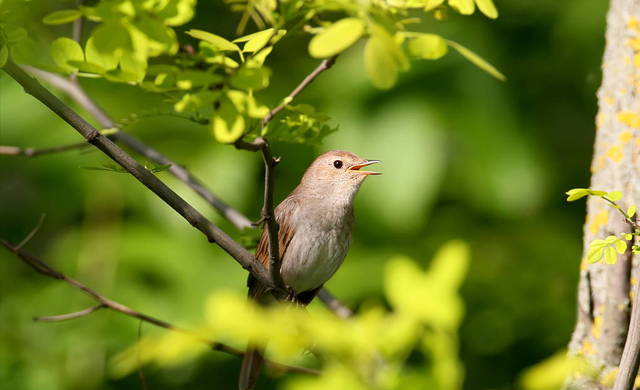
364	164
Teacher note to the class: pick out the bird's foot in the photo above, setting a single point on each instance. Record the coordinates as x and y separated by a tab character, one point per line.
292	296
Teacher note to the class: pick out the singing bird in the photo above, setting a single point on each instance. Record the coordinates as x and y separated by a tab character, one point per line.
316	224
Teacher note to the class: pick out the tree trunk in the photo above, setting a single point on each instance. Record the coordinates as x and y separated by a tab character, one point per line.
606	292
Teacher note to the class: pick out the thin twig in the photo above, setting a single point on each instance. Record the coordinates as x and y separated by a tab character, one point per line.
77	93
34	152
105	302
268	214
630	360
339	308
195	218
143	381
70	316
78	27
33	232
324	65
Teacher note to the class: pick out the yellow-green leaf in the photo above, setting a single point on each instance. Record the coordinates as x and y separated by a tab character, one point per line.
336	38
383	59
477	60
595	254
610	255
428	46
488	8
431	4
610	239
621	246
576	194
228	124
631	211
107	61
61	17
217	41
4	55
465	7
614	196
250	78
64	50
256	41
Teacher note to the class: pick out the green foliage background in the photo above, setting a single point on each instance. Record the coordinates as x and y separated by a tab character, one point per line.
465	156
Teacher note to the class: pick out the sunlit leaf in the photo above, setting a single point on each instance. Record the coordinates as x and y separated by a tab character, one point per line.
256	41
431	4
107	61
477	60
250	78
428	46
465	7
576	194
228	124
110	37
595	254
336	38
614	196
631	211
217	41
86	67
64	50
62	17
621	246
597	193
383	59
610	255
488	8
610	239
193	78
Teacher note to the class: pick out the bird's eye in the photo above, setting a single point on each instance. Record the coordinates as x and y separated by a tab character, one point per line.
337	164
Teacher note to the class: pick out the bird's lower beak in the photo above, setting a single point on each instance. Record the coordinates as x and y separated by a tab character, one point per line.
364	164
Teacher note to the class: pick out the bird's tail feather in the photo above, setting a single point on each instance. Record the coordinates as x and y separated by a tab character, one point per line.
251	366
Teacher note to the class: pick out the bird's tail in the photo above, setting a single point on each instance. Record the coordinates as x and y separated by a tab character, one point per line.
251	366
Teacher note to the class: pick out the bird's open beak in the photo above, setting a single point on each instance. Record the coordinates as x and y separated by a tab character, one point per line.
364	164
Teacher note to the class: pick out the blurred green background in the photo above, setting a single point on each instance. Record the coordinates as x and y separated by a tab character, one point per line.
464	156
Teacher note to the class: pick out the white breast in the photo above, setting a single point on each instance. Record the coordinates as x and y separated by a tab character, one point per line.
316	250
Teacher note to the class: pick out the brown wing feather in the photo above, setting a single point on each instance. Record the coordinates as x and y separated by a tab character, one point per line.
285	233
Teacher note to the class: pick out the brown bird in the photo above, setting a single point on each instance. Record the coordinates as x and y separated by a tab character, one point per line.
316	224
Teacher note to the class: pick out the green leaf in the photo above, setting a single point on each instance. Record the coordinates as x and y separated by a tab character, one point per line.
610	239
217	41
610	255
477	60
383	59
107	61
488	8
228	124
64	50
256	41
62	17
106	167
4	55
621	246
250	78
336	38
614	196
576	194
431	4
110	37
597	193
631	211
156	168
428	46
194	78
464	7
635	249
595	254
598	244
628	237
86	67
13	33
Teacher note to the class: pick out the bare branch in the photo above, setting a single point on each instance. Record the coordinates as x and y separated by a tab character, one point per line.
267	208
143	381
324	65
195	218
105	302
70	316
333	304
33	152
77	93
33	232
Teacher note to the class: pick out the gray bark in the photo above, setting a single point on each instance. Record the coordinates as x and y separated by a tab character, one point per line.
605	292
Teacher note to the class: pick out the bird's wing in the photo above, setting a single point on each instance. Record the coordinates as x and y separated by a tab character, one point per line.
286	231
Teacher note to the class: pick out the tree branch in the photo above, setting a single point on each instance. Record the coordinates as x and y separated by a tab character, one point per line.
104	302
268	216
33	152
324	65
197	220
339	308
77	93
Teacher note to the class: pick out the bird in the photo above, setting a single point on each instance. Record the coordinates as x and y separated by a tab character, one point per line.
315	232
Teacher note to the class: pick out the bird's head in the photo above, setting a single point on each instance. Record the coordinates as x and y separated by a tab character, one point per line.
338	173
